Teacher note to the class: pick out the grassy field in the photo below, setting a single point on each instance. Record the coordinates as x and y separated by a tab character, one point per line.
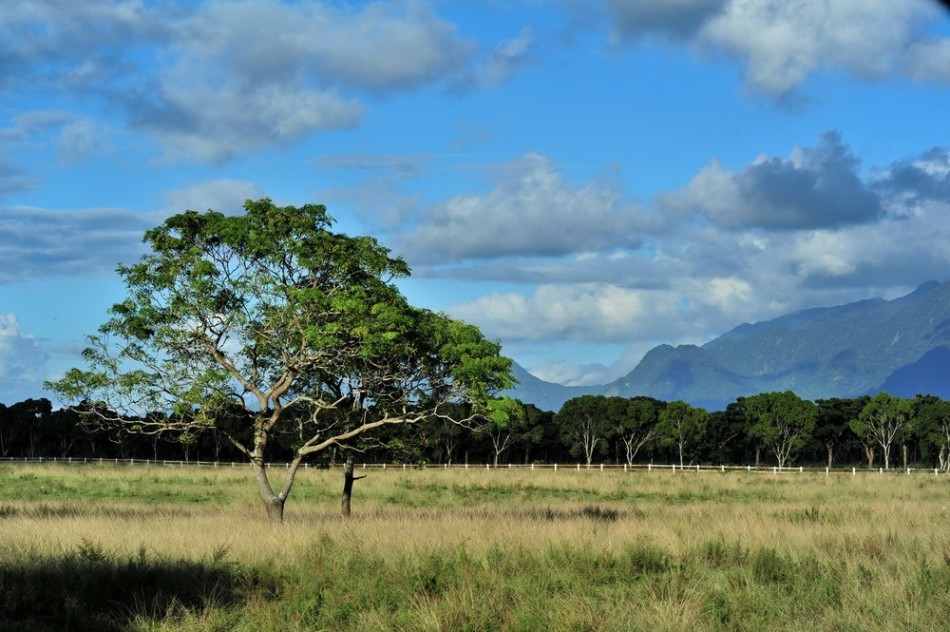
151	548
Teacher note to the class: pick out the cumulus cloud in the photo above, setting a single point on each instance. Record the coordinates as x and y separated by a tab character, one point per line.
224	195
531	210
81	43
241	120
227	78
909	183
271	90
782	43
814	188
592	312
41	243
749	245
22	360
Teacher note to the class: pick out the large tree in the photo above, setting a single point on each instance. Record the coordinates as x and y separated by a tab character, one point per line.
883	420
639	424
680	424
932	416
584	426
783	421
299	329
832	428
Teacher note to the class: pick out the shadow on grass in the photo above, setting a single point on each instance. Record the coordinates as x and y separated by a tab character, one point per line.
91	589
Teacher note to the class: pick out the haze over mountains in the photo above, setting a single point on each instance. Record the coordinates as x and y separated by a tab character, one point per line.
901	346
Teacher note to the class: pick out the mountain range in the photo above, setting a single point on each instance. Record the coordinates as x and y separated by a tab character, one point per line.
901	346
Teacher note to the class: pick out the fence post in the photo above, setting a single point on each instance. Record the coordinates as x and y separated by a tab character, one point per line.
723	468
532	467
555	467
801	469
854	471
601	467
649	467
748	468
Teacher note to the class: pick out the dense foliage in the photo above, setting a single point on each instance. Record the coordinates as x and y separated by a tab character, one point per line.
765	429
270	326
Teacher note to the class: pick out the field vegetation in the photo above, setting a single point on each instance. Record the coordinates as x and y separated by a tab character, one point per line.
162	548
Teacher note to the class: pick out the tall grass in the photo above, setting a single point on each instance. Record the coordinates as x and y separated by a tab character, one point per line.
455	550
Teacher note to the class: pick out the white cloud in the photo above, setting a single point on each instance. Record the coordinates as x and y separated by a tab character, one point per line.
26	126
752	252
531	211
506	59
41	243
824	253
782	43
380	45
561	372
79	140
929	61
813	188
224	195
272	89
223	78
592	312
22	361
241	119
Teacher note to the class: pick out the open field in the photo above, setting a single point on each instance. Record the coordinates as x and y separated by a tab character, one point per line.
152	548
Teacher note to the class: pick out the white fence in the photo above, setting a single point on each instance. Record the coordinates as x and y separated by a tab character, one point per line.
556	467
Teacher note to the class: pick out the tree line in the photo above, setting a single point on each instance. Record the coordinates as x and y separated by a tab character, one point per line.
768	429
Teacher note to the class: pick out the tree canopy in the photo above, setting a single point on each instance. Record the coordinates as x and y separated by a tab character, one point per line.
299	329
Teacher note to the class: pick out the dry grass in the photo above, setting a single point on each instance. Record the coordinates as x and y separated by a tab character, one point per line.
518	549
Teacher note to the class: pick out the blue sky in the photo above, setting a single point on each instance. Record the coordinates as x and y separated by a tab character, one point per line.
583	180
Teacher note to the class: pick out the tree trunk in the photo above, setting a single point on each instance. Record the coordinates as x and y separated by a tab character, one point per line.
869	453
348	479
758	452
273	503
831	454
904	454
274	506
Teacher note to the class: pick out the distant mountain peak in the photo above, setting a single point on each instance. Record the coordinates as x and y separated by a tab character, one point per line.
840	351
